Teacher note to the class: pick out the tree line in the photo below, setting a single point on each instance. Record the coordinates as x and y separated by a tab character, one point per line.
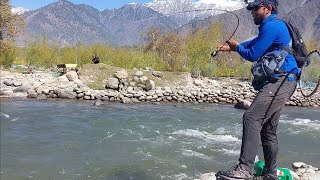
164	51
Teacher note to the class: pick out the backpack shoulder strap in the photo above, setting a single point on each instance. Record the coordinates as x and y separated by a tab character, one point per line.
288	48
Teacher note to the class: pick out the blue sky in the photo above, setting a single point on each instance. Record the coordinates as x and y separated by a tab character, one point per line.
99	4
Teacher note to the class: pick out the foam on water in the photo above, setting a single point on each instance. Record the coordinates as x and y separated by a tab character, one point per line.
203	135
313	125
3	115
190	153
230	152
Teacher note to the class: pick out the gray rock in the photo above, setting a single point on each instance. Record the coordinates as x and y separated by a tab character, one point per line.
17	83
135	100
112	83
8	82
79	83
157	74
105	98
294	175
143	79
87	97
149	85
41	97
297	165
20	95
301	170
122	74
136	79
310	171
244	104
315	176
65	94
98	103
2	92
112	93
126	100
148	98
63	79
80	95
138	74
208	176
23	88
197	82
222	99
72	75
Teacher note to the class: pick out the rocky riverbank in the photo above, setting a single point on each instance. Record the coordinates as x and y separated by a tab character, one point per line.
299	171
134	87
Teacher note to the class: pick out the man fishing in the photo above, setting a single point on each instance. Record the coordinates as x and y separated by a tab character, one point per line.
262	118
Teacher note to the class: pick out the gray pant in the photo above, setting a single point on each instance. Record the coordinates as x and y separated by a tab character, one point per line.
261	120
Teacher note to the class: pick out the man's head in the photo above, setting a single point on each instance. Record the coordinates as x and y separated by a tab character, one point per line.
261	9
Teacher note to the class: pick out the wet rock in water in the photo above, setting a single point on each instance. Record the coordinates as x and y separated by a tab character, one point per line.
32	94
243	104
135	100
112	83
208	176
98	103
126	100
72	75
41	97
122	74
297	165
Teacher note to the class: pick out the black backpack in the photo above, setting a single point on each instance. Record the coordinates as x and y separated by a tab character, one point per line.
298	49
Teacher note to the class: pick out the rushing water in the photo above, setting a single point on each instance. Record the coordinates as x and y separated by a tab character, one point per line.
75	140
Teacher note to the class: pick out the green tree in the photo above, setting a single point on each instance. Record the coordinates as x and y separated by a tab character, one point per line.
10	26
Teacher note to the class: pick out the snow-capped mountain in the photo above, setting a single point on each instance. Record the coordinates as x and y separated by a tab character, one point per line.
184	10
19	10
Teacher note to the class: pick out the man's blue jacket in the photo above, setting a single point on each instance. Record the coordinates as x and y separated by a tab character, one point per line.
271	32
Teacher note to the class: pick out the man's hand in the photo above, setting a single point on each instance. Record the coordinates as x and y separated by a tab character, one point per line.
233	44
224	48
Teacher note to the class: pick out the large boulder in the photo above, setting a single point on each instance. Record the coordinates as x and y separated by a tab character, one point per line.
72	75
63	79
23	88
112	83
122	74
65	94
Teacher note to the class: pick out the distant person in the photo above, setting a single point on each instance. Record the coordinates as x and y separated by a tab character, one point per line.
96	59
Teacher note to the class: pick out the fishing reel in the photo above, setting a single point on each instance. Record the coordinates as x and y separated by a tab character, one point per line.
214	54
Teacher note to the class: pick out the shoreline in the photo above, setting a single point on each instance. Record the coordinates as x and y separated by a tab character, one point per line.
136	88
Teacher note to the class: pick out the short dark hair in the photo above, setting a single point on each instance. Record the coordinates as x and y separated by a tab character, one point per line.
274	8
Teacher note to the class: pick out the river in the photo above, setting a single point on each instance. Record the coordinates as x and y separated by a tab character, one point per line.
75	140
